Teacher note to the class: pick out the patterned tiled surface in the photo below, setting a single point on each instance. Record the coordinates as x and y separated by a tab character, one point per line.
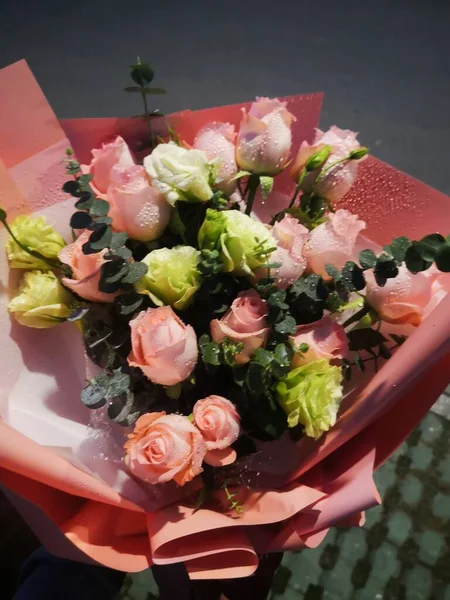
403	550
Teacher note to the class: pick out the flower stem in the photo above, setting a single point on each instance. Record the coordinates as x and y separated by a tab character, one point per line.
298	187
357	316
253	184
147	116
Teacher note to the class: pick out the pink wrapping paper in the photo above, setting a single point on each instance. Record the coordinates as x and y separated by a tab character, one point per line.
332	481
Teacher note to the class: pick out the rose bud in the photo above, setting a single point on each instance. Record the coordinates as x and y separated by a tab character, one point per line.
37	235
42	302
218	421
162	346
165	447
290	236
338	179
244	323
136	207
402	299
264	139
85	270
333	242
104	159
324	338
217	142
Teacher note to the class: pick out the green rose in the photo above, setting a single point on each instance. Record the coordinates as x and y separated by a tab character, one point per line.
244	243
172	277
310	395
42	302
36	234
180	173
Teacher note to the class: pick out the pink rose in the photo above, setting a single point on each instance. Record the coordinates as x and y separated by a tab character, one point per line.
333	242
440	286
104	159
339	179
85	270
402	299
264	138
244	322
290	236
217	142
325	338
162	346
218	421
136	206
165	447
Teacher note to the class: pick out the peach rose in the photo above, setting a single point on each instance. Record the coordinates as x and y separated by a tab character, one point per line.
402	299
290	236
162	346
217	142
136	206
339	179
440	287
218	421
333	242
325	338
165	447
244	322
264	138
85	270
104	159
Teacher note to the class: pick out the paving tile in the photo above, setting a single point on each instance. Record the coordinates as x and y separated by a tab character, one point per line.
411	489
305	567
444	470
441	506
431	544
431	427
421	457
399	527
418	583
337	583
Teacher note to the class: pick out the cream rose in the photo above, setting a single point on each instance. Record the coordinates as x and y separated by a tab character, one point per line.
162	346
165	447
218	421
136	207
243	323
180	173
85	270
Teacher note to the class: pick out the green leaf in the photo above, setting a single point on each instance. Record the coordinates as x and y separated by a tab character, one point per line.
127	304
262	357
287	326
112	271
364	339
367	259
142	74
211	354
278	299
80	220
384	351
93	397
283	354
333	272
443	259
118	240
71	187
255	379
429	246
123	252
398	248
414	261
118	383
100	208
240	174
85	201
358	153
84	180
353	277
266	185
136	271
385	268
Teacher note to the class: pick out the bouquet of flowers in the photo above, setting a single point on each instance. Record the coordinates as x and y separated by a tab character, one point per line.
232	316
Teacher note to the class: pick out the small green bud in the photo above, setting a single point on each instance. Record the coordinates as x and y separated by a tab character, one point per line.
358	153
318	159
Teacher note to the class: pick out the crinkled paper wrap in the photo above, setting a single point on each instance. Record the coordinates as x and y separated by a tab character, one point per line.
56	454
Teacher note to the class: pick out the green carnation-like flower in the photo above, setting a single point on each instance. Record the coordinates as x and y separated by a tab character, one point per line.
36	234
172	277
42	302
243	242
310	395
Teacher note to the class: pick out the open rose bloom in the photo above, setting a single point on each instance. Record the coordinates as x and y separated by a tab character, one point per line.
119	477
